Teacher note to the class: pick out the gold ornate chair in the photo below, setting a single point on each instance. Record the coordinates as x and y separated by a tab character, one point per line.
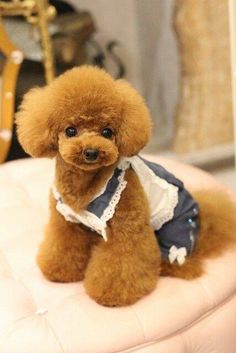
36	12
11	58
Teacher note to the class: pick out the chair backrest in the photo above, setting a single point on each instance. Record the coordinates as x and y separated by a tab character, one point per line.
37	12
10	61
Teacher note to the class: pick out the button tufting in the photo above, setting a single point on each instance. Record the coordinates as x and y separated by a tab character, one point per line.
41	311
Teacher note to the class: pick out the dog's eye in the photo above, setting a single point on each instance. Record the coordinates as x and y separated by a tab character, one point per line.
71	131
107	133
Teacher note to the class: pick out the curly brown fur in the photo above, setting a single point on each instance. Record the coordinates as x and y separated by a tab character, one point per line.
127	266
64	253
78	186
87	98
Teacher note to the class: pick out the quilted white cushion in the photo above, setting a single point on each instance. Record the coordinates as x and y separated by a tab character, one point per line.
38	316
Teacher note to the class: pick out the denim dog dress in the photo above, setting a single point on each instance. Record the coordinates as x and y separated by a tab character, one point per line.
174	214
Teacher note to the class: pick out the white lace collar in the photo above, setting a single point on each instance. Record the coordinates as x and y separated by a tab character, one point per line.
90	219
162	197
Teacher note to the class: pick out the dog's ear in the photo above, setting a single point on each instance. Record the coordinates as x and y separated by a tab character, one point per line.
135	128
35	128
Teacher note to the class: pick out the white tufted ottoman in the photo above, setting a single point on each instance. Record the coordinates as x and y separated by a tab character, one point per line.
37	316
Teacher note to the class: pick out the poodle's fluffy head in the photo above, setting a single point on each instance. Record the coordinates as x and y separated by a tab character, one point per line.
86	116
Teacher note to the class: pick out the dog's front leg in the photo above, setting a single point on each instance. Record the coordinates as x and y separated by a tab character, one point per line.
127	266
64	252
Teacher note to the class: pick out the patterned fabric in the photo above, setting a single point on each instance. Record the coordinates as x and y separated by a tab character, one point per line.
174	213
182	230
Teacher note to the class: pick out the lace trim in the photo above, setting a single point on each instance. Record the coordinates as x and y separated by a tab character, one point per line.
99	224
160	220
167	212
110	210
88	219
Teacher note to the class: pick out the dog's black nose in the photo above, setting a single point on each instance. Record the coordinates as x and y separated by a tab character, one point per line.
91	154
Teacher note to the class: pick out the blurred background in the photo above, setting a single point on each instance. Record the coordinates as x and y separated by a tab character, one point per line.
177	53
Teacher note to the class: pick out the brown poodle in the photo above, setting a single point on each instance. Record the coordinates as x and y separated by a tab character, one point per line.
91	123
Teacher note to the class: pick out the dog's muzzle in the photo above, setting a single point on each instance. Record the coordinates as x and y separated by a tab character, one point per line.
91	154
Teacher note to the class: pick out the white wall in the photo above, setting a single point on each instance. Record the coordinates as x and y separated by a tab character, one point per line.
144	29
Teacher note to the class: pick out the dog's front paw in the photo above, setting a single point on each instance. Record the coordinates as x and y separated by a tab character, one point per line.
118	284
62	268
58	273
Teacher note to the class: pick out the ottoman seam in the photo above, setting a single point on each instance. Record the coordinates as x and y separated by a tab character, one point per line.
55	335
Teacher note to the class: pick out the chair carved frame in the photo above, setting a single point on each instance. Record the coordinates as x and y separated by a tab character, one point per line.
36	12
14	58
